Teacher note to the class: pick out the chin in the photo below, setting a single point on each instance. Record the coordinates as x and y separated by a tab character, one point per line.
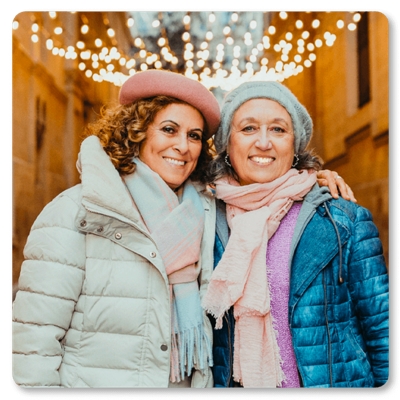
262	179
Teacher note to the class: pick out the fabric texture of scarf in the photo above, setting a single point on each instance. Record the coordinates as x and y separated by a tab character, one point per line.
254	213
176	224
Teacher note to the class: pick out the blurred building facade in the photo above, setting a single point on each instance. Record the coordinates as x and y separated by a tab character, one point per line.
344	86
347	94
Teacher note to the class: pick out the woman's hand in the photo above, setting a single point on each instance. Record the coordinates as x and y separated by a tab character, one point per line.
336	184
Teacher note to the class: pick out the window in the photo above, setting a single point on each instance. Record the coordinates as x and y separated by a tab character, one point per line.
364	95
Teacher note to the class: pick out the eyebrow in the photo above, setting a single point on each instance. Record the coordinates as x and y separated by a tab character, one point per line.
175	123
281	120
252	119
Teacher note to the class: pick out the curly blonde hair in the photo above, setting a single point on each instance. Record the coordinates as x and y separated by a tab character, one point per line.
123	128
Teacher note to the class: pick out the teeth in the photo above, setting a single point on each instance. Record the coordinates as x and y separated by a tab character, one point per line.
262	160
173	161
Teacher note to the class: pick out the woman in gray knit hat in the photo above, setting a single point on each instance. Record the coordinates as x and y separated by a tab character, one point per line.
299	293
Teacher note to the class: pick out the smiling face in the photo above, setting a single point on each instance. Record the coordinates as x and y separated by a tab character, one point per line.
261	145
173	143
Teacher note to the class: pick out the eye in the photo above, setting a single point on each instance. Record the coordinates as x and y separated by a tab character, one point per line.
277	130
249	129
168	129
194	136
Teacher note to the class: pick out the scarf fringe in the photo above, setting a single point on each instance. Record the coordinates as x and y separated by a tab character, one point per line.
217	316
187	352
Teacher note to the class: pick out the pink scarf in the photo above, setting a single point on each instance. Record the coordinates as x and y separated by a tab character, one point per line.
254	213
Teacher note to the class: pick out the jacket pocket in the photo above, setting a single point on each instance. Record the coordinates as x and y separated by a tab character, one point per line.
358	368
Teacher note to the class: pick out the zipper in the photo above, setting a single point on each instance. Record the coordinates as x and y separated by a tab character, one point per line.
339	243
327	329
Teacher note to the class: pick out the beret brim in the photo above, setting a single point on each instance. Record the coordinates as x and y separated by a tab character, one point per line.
152	83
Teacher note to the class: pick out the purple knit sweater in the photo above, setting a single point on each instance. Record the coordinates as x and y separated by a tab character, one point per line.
278	278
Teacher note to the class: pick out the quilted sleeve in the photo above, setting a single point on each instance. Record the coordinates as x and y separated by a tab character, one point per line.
369	288
49	285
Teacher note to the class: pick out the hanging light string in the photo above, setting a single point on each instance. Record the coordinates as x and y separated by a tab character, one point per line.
223	58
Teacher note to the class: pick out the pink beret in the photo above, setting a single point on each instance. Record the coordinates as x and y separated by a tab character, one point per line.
161	82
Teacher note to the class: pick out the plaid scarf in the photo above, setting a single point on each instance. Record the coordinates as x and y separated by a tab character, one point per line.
176	224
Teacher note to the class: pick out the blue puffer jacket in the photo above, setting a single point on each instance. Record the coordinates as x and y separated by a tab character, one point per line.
338	304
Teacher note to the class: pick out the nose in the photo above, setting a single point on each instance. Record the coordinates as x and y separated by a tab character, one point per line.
263	140
181	144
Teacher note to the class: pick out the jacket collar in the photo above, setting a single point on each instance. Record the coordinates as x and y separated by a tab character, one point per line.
314	198
221	227
103	190
317	244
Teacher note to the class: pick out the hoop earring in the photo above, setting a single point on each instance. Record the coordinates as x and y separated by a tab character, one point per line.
227	161
295	162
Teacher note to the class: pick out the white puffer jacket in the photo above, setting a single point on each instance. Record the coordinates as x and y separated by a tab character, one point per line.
93	307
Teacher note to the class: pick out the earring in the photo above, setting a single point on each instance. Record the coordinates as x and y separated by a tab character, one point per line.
295	162
227	161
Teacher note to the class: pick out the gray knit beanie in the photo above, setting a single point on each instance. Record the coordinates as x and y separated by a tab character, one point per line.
302	123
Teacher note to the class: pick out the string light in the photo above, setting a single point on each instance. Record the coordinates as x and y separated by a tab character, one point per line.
352	26
340	24
316	23
210	62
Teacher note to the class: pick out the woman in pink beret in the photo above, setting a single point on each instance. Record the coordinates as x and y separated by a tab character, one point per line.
110	290
115	267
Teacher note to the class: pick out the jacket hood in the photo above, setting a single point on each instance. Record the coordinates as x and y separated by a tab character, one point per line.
318	195
102	186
